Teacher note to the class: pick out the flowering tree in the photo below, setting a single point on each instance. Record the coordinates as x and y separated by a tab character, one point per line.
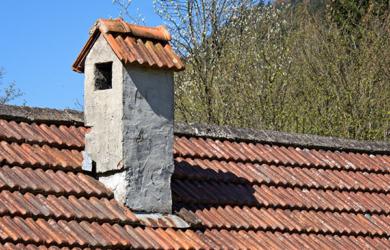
289	67
200	29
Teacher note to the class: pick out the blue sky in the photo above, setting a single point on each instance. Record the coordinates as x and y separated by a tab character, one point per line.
41	39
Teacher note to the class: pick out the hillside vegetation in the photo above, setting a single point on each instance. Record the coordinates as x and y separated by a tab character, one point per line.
318	67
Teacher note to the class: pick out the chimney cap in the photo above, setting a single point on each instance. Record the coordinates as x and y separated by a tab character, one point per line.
146	46
120	26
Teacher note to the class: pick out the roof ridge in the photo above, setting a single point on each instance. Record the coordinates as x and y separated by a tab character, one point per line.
41	115
74	117
281	138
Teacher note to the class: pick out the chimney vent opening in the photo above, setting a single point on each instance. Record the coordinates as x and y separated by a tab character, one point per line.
103	76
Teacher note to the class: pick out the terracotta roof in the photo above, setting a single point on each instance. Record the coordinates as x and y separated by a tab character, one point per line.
146	46
230	191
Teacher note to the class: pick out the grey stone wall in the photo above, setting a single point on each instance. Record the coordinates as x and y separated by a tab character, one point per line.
131	139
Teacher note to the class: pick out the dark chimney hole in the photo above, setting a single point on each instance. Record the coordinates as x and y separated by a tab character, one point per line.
103	76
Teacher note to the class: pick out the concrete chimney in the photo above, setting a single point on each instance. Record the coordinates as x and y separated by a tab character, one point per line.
129	106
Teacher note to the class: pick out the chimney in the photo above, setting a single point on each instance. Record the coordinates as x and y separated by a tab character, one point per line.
128	105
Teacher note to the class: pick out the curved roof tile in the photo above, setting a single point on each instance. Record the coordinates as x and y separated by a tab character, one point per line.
229	192
133	44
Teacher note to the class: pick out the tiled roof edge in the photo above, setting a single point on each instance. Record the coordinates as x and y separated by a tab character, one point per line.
41	115
73	117
282	138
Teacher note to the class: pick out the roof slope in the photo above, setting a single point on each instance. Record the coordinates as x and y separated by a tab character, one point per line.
233	192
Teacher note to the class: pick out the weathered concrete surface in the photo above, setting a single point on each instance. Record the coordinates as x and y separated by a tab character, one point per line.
103	111
131	139
169	220
87	164
148	138
116	181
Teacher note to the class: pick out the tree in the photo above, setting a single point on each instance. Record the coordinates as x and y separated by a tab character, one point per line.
351	13
124	6
200	33
348	14
290	67
9	92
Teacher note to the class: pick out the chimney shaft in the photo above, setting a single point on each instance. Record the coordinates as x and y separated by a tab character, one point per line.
129	108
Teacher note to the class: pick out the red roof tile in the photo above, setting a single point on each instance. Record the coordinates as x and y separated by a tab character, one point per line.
232	193
146	46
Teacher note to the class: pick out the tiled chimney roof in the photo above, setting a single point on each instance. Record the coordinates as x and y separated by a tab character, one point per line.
146	46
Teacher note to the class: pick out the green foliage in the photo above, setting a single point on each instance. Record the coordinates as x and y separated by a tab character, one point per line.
290	69
352	13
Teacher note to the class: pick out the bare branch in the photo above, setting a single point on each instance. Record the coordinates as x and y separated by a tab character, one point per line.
9	92
124	11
